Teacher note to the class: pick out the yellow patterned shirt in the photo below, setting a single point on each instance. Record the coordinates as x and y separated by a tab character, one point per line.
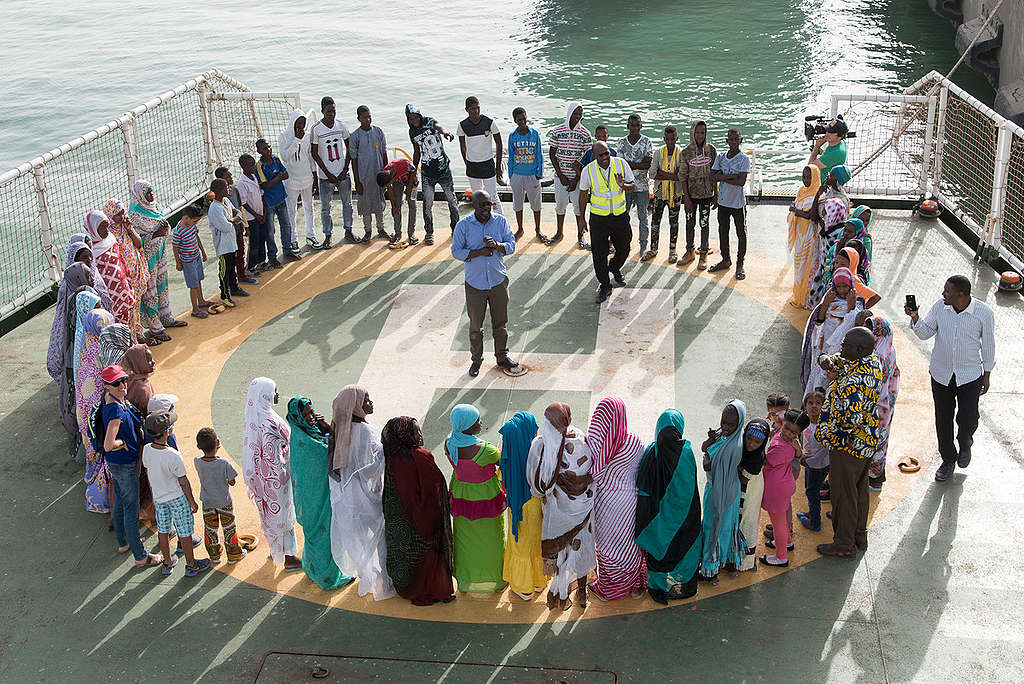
849	418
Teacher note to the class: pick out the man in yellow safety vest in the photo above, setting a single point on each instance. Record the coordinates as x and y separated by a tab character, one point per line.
605	182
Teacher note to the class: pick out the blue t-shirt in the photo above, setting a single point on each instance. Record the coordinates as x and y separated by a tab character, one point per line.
276	193
525	156
126	432
731	196
588	156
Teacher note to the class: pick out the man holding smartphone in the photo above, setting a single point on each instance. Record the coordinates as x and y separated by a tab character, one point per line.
961	365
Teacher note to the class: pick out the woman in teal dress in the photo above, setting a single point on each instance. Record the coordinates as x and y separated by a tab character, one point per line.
477	504
668	525
723	449
310	464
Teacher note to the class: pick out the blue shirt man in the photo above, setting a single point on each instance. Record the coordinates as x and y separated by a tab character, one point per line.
481	241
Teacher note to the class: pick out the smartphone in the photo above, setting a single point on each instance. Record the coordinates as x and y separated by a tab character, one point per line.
912	302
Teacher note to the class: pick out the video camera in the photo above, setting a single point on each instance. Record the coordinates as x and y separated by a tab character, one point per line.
815	126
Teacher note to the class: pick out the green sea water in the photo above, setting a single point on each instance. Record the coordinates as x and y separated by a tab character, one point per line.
759	65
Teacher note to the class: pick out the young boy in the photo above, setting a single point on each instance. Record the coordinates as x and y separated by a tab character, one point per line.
698	191
189	255
636	149
369	151
172	493
429	157
271	174
399	177
250	199
329	149
525	169
815	463
730	172
216	475
483	166
668	193
600	133
241	228
222	225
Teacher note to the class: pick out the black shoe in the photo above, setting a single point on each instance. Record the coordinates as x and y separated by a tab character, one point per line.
964	459
292	256
771	545
603	293
275	264
619	280
428	240
474	369
944	471
239	292
740	275
508	364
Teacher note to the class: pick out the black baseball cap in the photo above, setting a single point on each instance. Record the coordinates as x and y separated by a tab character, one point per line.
838	127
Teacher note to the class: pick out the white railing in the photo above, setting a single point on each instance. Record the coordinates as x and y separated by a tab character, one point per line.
170	141
934	139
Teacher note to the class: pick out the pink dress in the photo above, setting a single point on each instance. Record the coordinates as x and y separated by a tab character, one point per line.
779	484
617	453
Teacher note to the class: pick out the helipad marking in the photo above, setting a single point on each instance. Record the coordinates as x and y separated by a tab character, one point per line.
635	358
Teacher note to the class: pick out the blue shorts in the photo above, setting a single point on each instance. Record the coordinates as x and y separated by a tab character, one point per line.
175	511
193	271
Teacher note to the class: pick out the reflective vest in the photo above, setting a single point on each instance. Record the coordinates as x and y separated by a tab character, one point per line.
606	197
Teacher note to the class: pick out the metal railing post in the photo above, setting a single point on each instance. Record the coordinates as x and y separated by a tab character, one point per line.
940	136
999	178
926	152
834	111
45	229
131	152
212	155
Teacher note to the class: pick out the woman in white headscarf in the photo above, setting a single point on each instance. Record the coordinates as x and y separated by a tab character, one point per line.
265	456
558	468
357	482
293	146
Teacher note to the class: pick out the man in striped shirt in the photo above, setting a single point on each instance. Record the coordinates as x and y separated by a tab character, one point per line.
961	365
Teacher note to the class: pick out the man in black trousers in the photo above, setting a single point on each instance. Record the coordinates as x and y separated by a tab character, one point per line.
604	182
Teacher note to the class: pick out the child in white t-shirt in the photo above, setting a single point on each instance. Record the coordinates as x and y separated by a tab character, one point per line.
172	493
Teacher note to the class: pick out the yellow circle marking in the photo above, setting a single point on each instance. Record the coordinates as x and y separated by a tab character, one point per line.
191	365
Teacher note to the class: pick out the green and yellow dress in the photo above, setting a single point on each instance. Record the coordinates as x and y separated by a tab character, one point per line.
478	515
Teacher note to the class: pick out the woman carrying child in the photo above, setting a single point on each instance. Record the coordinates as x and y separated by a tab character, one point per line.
723	451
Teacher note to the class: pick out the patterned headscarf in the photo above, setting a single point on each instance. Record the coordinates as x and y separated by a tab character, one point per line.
843	275
884	349
608	434
114	207
400	436
115	340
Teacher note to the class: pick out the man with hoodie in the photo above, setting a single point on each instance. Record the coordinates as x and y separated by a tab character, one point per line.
427	139
294	146
566	144
698	190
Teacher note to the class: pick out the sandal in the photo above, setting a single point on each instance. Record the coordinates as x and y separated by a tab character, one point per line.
720	266
581	595
583	245
555	238
152	342
175	324
412	241
909	465
248	541
200	314
162	336
150	562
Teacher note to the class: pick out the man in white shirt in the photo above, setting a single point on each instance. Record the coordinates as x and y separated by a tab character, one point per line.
480	142
329	149
961	365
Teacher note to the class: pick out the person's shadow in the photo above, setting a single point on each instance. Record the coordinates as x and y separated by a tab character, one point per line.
911	592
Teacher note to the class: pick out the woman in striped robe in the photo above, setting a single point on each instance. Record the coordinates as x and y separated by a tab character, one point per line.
617	452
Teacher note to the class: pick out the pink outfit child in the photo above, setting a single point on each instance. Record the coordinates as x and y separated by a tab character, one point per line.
779	486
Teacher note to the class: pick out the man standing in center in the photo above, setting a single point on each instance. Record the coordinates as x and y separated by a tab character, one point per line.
482	240
848	428
605	182
566	144
483	167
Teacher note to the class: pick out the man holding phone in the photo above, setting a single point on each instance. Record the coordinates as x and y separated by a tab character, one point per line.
961	366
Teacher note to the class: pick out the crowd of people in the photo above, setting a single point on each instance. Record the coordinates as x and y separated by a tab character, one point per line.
575	510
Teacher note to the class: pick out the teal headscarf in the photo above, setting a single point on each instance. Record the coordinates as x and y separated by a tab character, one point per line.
842	174
516	436
295	407
462	418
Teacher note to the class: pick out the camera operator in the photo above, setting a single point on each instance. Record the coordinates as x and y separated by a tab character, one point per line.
826	156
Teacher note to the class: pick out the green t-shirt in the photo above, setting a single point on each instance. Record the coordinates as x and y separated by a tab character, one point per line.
832	155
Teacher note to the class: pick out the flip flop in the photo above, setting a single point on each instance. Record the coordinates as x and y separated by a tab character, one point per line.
151	562
199	314
176	324
909	465
401	244
153	342
583	245
248	541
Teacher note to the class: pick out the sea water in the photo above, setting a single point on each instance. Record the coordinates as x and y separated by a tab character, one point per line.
70	65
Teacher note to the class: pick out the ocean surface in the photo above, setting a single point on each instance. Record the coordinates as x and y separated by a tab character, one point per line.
761	65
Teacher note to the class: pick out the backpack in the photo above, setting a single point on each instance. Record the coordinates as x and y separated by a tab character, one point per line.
97	428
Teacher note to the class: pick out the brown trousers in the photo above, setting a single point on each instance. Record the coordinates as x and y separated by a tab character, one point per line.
848	480
477	302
